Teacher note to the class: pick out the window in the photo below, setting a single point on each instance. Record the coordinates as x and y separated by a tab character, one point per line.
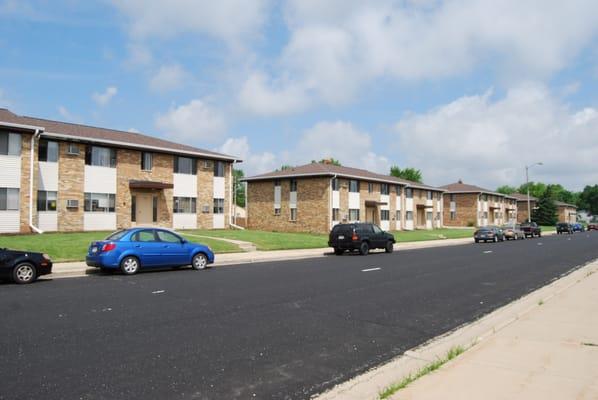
293	214
155	208
376	229
293	185
429	215
47	151
99	202
336	213
218	206
354	214
46	201
370	187
9	199
398	189
147	161
10	144
145	236
354	186
100	156
185	165
409	216
184	205
429	195
452	197
277	211
485	214
168	237
485	197
219	168
133	208
277	183
398	215
453	215
384	215
384	189
335	184
409	193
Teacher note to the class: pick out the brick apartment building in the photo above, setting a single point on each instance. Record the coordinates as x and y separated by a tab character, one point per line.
57	176
566	212
522	212
317	196
470	205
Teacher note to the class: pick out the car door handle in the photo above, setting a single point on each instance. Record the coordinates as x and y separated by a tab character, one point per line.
137	245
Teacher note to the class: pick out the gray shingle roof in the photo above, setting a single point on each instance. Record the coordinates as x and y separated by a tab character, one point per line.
460	187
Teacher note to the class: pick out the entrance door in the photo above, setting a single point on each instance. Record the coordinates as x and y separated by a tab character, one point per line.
370	215
144	209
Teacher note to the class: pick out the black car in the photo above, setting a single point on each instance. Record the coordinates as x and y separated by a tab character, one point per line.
564	227
23	266
489	234
361	237
531	229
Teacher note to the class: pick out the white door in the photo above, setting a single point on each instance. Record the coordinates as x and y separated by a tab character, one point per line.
144	209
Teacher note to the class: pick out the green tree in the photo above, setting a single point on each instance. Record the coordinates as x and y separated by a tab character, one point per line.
410	174
328	161
536	189
546	211
284	167
239	187
588	199
506	189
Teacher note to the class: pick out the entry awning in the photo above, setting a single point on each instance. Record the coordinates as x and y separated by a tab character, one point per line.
373	203
133	184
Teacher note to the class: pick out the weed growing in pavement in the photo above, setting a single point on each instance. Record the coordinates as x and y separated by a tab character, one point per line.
392	389
541	302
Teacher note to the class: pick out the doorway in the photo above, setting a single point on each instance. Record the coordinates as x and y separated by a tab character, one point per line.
144	208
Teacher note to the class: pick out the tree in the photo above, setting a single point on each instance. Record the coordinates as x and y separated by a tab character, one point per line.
588	199
546	211
330	160
506	189
536	189
239	187
410	174
284	167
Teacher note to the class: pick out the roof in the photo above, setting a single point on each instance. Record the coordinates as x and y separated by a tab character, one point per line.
460	187
86	133
331	170
563	204
523	197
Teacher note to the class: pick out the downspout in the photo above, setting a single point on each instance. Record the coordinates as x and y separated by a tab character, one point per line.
330	213
36	135
233	191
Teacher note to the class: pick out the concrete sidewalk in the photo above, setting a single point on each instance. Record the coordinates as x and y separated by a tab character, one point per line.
543	346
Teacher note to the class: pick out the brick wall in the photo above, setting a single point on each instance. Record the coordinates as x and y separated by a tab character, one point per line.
25	183
205	193
522	213
71	171
466	209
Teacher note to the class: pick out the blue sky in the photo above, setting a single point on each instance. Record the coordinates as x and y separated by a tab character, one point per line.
470	89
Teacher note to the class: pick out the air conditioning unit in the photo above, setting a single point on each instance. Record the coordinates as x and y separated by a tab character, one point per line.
205	209
73	149
72	203
207	164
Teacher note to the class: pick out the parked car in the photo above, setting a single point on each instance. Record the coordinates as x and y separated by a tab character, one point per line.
23	266
563	227
489	234
359	236
593	226
577	227
531	229
513	231
133	249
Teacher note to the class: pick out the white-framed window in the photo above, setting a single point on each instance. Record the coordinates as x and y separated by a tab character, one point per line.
277	211
429	215
453	215
335	184
293	214
184	205
47	151
293	185
384	215
147	161
219	168
218	206
354	214
9	199
277	183
46	201
409	215
100	156
10	144
336	214
408	193
370	187
185	165
429	195
384	189
99	202
354	186
398	215
452	197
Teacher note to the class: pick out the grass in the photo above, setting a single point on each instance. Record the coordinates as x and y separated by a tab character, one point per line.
269	240
436	234
548	228
392	389
73	246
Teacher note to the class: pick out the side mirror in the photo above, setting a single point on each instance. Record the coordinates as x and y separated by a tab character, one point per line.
183	241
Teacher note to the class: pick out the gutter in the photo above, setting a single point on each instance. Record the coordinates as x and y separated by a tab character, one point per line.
233	192
330	216
36	135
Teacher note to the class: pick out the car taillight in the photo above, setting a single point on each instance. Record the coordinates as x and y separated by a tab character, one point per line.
354	237
108	247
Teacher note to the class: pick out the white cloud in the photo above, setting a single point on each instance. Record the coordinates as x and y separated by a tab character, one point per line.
261	98
195	121
487	142
103	99
168	77
67	115
253	163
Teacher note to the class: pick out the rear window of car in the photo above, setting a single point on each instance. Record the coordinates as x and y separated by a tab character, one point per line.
116	235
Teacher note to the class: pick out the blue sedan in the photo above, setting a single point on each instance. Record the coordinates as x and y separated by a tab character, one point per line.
132	249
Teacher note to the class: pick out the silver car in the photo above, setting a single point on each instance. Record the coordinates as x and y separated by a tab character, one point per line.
513	231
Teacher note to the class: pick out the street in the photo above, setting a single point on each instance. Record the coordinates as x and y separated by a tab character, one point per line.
268	331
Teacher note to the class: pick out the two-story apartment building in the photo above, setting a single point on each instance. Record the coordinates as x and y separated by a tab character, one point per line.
57	176
317	196
566	212
522	206
470	205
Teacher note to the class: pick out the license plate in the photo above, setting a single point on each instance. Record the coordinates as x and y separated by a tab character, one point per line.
94	249
341	237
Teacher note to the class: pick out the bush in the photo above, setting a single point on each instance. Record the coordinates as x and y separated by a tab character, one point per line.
470	224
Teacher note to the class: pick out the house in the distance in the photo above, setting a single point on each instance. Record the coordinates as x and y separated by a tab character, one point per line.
566	212
314	197
522	206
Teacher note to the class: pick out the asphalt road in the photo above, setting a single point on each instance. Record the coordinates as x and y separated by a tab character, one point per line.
268	331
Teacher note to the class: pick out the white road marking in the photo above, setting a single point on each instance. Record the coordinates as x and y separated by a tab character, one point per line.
371	269
488	252
158	291
539	244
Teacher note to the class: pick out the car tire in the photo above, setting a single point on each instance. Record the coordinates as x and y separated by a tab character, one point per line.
129	265
199	262
24	273
105	270
364	248
389	247
338	252
476	240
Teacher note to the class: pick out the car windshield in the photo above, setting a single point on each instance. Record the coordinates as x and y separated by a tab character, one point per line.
116	235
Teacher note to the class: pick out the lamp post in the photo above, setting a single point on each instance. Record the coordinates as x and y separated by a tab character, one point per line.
529	211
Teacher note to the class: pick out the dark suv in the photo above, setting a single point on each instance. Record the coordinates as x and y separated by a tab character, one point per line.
563	227
359	236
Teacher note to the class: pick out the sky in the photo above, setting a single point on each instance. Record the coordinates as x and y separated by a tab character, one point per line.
460	89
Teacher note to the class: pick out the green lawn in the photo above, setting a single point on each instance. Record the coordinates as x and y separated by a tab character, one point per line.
73	246
435	234
548	228
270	240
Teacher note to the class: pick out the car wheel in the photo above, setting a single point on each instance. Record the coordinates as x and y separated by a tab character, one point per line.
540	234
364	248
338	252
129	265
476	240
389	247
200	261
24	273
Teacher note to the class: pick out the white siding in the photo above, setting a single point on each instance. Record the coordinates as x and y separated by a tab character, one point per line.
9	221
48	176
409	204
385	225
354	201
218	187
277	196
293	199
99	221
185	185
385	198
409	225
99	180
336	199
218	221
47	221
10	171
184	221
398	202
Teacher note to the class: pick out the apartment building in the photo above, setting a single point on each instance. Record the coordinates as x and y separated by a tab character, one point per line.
317	196
57	176
522	206
566	212
470	205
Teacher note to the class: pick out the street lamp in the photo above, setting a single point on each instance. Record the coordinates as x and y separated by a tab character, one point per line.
529	211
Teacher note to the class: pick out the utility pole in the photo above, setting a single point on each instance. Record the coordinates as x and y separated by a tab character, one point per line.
529	208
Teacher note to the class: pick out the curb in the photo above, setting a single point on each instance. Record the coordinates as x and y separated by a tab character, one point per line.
371	383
